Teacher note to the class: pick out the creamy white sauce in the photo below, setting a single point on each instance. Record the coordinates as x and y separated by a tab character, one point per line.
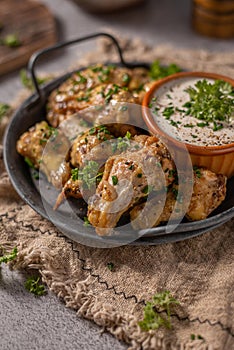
173	94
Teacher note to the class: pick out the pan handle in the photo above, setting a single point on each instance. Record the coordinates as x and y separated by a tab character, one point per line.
34	58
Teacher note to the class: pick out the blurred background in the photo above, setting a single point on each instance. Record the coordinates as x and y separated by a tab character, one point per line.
177	23
34	24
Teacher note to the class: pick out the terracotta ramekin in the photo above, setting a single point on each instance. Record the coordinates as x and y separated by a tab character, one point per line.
219	159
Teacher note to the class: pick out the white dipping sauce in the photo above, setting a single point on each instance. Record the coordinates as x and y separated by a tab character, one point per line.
180	126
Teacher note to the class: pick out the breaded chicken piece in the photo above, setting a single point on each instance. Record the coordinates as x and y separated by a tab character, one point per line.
209	190
54	163
127	178
97	85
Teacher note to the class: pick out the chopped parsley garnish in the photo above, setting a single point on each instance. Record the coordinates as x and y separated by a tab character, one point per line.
110	266
111	92
96	69
83	98
33	286
197	172
202	125
122	143
147	189
193	337
140	88
126	78
82	79
86	222
74	174
101	132
157	71
114	180
35	174
168	112
128	135
156	109
4	108
154	311
139	175
173	123
212	102
29	162
172	173
53	133
189	126
89	174
9	257
42	141
11	40
27	82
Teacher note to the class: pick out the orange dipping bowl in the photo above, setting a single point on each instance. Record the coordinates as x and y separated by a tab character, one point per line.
207	152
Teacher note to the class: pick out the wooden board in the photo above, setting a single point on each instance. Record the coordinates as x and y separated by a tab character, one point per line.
33	24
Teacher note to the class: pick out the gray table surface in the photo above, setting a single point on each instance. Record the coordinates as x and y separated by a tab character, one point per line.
44	323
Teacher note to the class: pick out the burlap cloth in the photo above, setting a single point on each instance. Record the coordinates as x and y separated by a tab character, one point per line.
199	272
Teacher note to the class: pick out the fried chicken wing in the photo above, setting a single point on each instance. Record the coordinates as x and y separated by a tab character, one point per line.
98	85
127	178
91	145
53	163
209	191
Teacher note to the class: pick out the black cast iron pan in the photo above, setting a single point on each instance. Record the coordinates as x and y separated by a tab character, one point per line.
32	111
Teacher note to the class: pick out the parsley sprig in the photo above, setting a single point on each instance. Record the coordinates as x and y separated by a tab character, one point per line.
9	257
211	102
122	143
89	174
153	318
27	82
33	286
157	71
11	40
4	109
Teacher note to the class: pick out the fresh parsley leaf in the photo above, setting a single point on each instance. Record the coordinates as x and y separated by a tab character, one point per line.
128	135
157	71
33	286
29	162
168	112
9	257
147	189
82	79
86	222
4	108
110	266
27	82
193	337
114	180
126	78
11	40
212	102
74	174
197	172
153	311
89	174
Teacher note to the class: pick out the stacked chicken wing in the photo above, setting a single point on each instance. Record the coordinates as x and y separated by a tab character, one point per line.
96	154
